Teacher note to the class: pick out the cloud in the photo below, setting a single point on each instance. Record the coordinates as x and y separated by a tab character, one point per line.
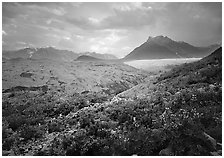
21	43
4	33
122	15
80	22
130	6
59	11
94	20
108	27
79	36
130	19
66	38
65	43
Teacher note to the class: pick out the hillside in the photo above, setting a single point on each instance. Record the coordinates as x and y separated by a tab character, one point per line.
161	47
99	56
205	71
179	113
87	58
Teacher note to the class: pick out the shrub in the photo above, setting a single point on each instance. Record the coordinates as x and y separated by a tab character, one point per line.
54	127
15	121
8	143
29	132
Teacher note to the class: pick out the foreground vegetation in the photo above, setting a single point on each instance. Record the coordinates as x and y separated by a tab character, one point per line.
182	116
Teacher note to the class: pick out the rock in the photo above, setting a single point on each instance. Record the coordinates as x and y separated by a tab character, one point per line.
12	153
30	153
156	132
214	153
201	90
211	86
219	152
39	146
8	153
113	132
211	141
178	93
166	152
201	149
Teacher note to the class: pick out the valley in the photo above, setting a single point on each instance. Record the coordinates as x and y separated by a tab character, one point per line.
159	64
71	77
109	108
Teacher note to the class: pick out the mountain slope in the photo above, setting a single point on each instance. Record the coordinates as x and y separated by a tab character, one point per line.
100	56
193	90
52	54
142	52
205	71
201	73
41	53
87	58
161	47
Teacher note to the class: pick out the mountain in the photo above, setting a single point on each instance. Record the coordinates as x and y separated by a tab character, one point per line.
41	53
204	72
214	58
100	56
208	70
161	47
87	58
52	54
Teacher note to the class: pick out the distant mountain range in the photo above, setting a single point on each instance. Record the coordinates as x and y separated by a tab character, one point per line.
87	58
158	47
100	56
161	47
40	53
52	54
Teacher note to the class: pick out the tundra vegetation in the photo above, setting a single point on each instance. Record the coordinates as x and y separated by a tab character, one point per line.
182	116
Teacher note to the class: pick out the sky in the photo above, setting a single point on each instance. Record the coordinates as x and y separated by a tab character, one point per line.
108	27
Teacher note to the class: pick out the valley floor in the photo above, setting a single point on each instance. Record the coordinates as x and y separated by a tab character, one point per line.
159	64
130	111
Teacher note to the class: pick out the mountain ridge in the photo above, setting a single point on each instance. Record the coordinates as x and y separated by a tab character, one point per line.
162	47
87	58
51	53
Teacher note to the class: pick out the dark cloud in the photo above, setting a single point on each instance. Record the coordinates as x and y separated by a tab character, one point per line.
214	8
11	10
130	18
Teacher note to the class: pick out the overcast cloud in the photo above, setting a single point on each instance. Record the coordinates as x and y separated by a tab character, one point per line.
115	28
